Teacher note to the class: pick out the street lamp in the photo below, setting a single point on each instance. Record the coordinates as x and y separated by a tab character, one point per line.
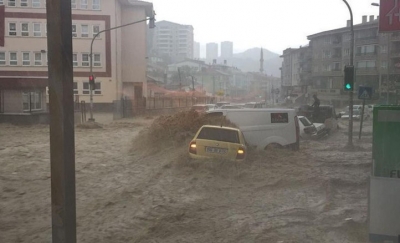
151	26
350	137
388	61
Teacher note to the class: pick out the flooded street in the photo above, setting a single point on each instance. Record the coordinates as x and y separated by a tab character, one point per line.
126	194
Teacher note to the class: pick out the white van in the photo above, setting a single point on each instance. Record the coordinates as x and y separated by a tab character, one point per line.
265	128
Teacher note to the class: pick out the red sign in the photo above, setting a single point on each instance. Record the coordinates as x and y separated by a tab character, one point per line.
389	15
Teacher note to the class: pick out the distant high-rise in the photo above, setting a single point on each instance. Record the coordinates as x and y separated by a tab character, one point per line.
196	50
174	40
226	50
211	52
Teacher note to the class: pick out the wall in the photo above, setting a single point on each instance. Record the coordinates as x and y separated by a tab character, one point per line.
12	101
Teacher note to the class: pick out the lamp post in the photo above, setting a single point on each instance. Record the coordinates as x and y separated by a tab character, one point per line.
350	137
151	25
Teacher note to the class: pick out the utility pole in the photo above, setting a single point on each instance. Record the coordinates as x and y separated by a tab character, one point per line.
350	137
151	26
62	134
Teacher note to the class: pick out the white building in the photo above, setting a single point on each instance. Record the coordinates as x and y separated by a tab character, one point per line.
196	50
227	50
211	52
172	39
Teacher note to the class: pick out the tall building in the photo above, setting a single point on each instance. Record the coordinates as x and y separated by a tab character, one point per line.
119	57
173	40
211	52
226	50
196	50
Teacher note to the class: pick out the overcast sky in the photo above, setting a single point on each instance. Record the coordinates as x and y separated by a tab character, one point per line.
272	24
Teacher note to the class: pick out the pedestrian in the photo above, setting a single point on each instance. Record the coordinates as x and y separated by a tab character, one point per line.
315	105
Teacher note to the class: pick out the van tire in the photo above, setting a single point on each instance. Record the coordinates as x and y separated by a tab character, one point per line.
273	146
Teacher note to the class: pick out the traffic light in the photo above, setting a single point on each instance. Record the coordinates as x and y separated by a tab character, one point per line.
152	21
348	78
91	82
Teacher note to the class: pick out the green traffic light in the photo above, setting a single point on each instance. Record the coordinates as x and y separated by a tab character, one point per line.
348	86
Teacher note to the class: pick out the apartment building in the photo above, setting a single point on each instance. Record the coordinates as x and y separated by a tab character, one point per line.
211	52
173	40
320	68
375	65
119	56
196	50
296	70
227	50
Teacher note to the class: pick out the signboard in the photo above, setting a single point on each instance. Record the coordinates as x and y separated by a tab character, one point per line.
389	15
386	140
279	118
365	93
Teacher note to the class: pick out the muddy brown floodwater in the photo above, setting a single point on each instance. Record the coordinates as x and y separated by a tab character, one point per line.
126	194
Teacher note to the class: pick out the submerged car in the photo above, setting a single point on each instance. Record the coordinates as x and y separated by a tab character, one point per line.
218	142
309	130
202	108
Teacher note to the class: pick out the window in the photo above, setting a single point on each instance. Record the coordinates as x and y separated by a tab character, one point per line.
76	88
12	29
25	29
218	134
1	2
75	60
73	4
365	50
366	64
85	60
37	30
26	59
96	5
74	34
86	89
336	66
84	30
84	4
2	58
327	54
32	100
97	60
346	52
384	49
97	87
35	3
384	64
11	3
24	3
96	29
38	59
13	59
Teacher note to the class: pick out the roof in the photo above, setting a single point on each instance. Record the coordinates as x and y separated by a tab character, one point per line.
222	127
165	22
136	3
361	26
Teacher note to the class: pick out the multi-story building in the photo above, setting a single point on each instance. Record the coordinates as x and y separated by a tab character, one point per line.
226	50
196	50
374	64
296	70
376	60
173	40
119	56
211	52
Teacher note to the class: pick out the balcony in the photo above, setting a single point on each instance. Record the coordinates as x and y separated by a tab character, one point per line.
363	54
367	70
395	37
367	40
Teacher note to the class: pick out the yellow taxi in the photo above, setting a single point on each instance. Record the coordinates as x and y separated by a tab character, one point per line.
218	142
